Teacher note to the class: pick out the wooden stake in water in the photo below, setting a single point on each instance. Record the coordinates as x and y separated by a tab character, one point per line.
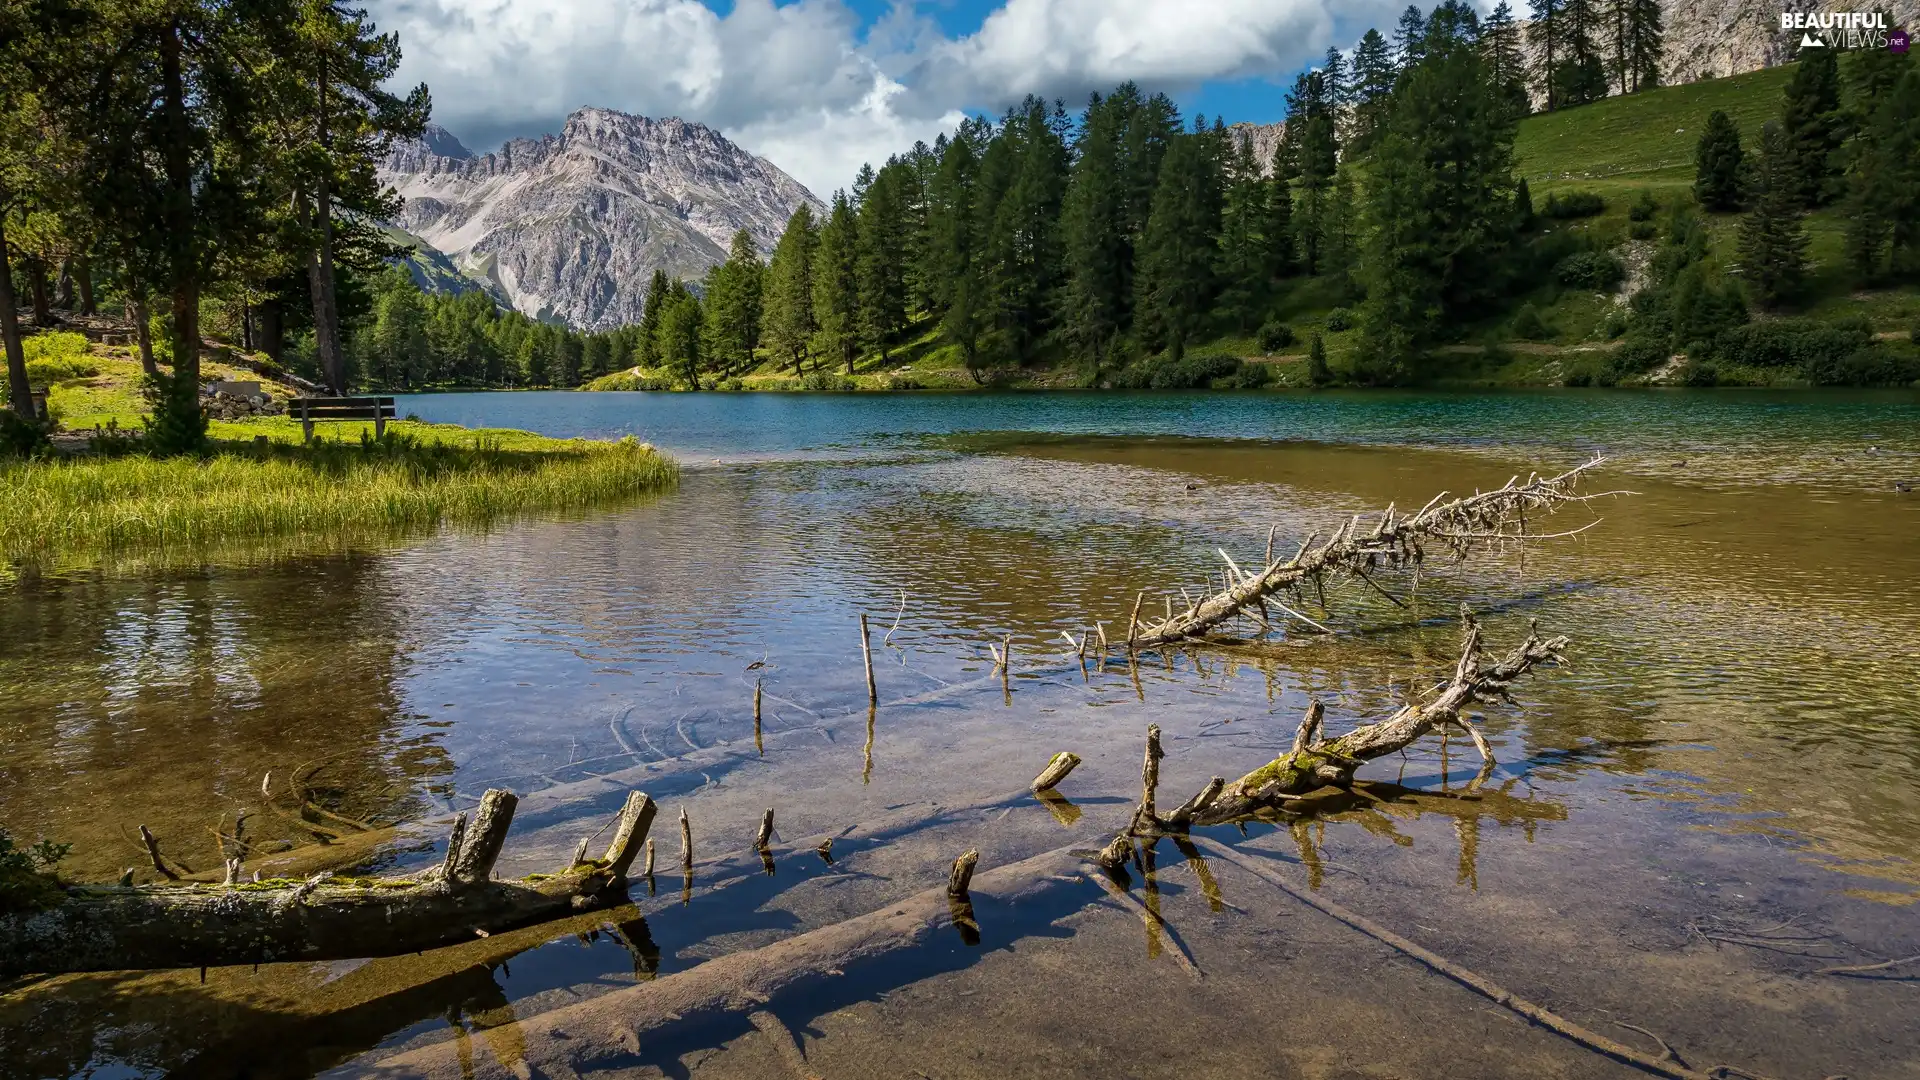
686	843
757	744
866	653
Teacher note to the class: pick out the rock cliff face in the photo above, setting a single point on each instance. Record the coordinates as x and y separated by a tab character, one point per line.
1264	137
572	226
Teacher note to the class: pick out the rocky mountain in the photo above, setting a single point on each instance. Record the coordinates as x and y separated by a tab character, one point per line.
1264	137
571	227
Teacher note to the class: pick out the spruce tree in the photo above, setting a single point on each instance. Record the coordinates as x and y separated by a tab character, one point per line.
1882	208
1093	232
789	305
1500	50
883	245
1276	236
1813	127
1720	165
647	354
1317	371
1373	75
733	307
1773	237
1176	274
1546	34
950	238
1242	269
680	334
1646	44
1582	73
1021	257
1409	38
836	284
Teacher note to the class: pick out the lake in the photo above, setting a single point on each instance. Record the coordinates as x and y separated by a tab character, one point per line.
1717	798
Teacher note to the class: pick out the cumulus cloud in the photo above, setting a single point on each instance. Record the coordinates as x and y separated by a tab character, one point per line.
802	85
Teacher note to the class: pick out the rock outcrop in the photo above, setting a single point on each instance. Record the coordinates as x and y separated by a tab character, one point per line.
571	227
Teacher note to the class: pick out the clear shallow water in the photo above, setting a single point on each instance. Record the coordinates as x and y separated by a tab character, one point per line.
1736	740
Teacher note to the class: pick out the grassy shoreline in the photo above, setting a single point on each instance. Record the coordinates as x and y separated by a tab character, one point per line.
260	483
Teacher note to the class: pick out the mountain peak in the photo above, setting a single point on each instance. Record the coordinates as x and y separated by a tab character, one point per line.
572	226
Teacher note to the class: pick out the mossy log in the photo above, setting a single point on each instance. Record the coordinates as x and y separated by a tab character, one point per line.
113	928
1315	762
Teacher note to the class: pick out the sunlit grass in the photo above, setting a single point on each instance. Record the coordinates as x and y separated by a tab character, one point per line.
62	511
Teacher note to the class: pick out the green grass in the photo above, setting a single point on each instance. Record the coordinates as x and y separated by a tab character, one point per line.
67	510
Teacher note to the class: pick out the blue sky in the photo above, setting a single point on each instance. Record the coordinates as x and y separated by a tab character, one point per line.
820	86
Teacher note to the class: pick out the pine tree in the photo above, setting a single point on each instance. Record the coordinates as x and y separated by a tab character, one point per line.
1500	51
1020	258
1176	284
1242	271
1317	371
1814	127
1373	74
1409	38
1439	209
882	247
1883	179
1276	236
950	237
836	284
1546	34
789	305
652	307
1582	74
1773	237
1093	231
1720	165
1453	22
1646	44
680	334
733	307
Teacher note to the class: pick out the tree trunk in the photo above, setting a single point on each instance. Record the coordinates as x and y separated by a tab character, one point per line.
37	290
83	274
269	334
119	928
326	312
184	252
63	289
246	324
19	392
142	329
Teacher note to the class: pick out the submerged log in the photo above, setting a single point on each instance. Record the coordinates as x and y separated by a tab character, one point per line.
114	928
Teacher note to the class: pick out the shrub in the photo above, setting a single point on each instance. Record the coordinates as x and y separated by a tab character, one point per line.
1591	371
20	437
1590	270
903	381
1638	355
1870	365
1317	371
1274	335
1528	325
1696	373
26	875
827	382
1573	204
1643	208
62	345
44	373
1614	325
1339	319
1643	230
1187	373
1913	335
1809	345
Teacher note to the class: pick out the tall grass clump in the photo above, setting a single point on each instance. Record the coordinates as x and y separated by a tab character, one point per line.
61	511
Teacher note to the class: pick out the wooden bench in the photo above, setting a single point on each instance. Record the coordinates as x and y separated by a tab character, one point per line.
311	410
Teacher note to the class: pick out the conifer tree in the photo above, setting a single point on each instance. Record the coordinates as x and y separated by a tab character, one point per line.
1176	282
1500	50
1317	371
836	284
647	353
1720	165
1409	38
680	334
1582	74
1883	180
1242	270
1773	238
1546	34
950	237
1021	258
1646	44
789	306
1813	127
731	323
882	245
1093	232
1373	75
1276	235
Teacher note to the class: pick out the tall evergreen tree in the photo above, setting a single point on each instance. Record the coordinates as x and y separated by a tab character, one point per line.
1773	237
1720	165
1547	34
1646	44
789	305
836	284
1094	232
680	335
1438	204
733	307
1582	74
1409	38
659	288
883	247
1177	255
1373	75
1813	126
1883	179
1020	256
1242	257
1501	52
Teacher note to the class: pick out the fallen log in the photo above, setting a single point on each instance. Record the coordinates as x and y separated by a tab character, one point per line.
612	1027
114	928
1491	518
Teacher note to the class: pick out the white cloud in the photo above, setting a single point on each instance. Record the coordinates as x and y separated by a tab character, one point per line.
799	84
